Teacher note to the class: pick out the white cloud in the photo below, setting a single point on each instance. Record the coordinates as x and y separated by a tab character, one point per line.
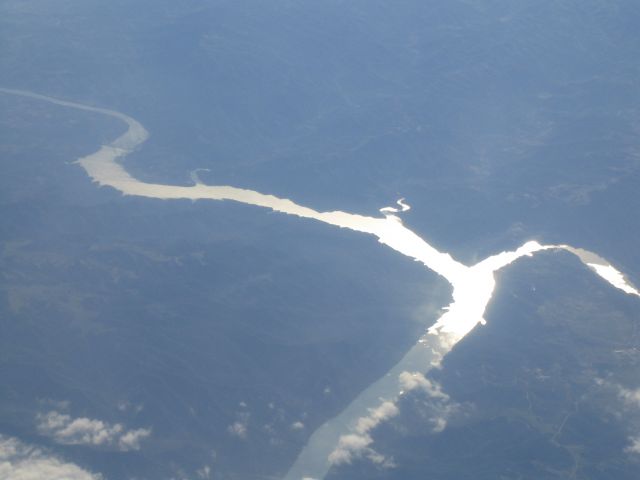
439	423
124	406
86	431
439	414
357	445
241	426
131	439
350	447
627	410
386	410
238	429
631	397
19	461
412	380
635	445
439	408
297	426
204	472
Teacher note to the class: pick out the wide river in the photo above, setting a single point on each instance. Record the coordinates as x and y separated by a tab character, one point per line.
347	436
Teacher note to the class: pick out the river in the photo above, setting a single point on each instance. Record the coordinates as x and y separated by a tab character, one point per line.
347	435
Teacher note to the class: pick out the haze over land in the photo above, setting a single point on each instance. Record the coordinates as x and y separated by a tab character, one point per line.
194	313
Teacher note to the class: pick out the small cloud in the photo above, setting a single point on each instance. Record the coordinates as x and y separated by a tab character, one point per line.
439	423
635	445
357	445
412	380
349	447
238	429
204	472
352	447
630	397
64	429
125	406
386	410
297	426
439	408
626	410
131	439
21	461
